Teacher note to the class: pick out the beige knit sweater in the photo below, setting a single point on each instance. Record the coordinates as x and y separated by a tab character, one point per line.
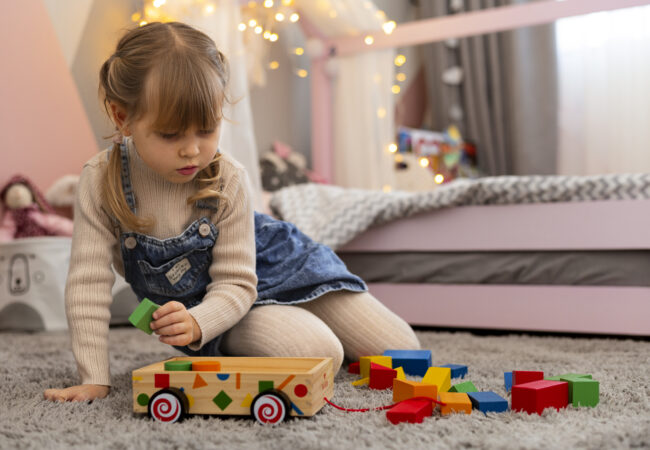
95	247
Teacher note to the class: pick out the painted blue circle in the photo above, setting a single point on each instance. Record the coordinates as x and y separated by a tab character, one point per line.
223	376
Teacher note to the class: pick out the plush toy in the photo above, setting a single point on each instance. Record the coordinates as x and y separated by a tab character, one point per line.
26	213
283	167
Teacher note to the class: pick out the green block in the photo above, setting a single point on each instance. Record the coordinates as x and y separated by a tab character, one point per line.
222	400
141	316
569	375
583	391
265	385
178	365
465	386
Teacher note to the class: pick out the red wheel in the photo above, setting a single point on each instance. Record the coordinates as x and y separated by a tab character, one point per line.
270	407
168	405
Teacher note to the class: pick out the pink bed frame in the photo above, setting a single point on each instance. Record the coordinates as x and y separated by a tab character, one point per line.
558	226
603	225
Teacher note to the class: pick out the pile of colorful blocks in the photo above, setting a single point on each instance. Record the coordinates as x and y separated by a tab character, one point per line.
531	392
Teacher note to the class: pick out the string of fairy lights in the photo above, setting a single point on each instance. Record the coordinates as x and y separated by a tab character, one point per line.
265	19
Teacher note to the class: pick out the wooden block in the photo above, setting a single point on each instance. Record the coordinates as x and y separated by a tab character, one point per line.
507	380
568	375
141	316
354	368
466	386
364	363
439	376
176	365
381	377
535	396
414	362
411	411
206	366
488	401
526	376
457	370
455	402
405	389
583	391
400	373
361	382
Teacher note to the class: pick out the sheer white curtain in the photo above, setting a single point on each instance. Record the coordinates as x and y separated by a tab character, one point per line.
604	82
363	105
237	135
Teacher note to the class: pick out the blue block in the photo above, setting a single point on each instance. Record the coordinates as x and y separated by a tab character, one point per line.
488	402
507	380
457	370
414	362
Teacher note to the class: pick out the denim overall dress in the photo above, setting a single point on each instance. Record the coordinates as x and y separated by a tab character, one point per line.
291	268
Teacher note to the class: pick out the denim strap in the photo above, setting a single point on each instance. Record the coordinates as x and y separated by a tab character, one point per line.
126	178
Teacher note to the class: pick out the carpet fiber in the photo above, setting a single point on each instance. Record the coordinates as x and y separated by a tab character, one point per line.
34	362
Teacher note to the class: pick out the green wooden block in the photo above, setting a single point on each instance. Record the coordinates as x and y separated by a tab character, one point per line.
178	365
465	386
141	316
583	391
569	375
264	385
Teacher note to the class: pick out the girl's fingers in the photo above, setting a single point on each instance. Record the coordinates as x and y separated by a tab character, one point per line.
178	340
169	319
174	329
168	308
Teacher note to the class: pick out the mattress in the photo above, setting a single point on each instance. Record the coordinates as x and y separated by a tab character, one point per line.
587	268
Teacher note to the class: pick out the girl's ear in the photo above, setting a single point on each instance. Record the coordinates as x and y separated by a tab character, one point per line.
119	118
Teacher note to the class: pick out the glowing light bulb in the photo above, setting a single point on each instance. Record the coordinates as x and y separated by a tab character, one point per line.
395	89
136	16
438	179
268	3
400	60
158	3
389	27
143	23
242	27
267	34
381	113
369	40
299	50
387	188
252	23
400	76
392	147
294	17
287	2
424	162
258	29
302	73
209	9
274	65
399	157
279	17
274	37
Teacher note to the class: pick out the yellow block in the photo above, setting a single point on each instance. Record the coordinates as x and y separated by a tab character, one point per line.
405	389
439	376
455	402
247	401
361	382
364	363
400	373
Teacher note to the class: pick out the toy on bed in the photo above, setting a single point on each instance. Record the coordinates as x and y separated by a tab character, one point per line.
26	213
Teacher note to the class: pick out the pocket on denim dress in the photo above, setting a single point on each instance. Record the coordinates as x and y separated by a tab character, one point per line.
179	276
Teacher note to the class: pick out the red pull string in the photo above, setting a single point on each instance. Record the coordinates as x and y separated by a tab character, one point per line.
381	408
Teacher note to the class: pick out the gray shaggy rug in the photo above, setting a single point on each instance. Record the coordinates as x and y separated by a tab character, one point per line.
33	362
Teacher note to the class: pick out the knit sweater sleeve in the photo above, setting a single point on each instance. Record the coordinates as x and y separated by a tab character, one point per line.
233	286
90	279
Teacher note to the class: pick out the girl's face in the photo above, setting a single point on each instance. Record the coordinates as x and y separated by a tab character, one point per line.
176	156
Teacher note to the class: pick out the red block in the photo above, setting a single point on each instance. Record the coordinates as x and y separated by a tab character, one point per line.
161	380
535	396
526	376
381	377
354	368
411	411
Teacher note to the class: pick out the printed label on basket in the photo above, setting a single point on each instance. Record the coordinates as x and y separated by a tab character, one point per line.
176	273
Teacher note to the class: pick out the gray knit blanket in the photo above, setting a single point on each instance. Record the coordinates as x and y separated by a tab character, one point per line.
333	215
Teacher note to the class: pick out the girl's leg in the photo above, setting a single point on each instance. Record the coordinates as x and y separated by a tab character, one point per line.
282	330
363	324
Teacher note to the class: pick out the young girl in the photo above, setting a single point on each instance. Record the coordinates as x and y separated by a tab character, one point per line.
174	216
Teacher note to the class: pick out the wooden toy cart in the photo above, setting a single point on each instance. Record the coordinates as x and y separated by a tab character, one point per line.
269	389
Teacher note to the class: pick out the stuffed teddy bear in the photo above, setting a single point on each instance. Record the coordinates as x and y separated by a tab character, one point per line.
26	213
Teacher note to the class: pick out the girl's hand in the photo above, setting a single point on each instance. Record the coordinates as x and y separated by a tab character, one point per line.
175	325
81	393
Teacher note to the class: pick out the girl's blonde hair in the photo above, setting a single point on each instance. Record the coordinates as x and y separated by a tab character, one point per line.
177	72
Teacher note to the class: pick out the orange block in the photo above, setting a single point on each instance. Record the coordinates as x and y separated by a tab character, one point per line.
206	366
405	389
198	382
455	402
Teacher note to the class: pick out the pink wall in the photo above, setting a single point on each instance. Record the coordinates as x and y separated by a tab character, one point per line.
44	128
